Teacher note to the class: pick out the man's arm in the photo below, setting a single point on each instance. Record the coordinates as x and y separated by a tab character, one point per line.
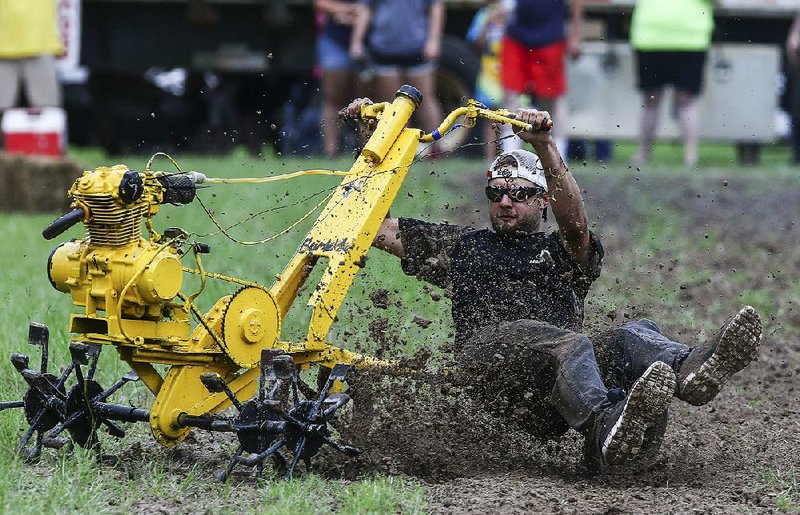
363	16
575	36
342	12
565	195
793	43
435	28
388	237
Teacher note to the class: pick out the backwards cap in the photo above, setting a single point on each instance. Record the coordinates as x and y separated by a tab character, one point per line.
517	163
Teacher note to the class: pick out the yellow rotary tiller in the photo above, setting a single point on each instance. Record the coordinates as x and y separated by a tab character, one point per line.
128	287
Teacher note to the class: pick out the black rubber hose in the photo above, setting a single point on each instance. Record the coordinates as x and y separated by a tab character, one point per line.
63	223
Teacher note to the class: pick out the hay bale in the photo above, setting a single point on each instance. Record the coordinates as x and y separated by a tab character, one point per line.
9	199
35	184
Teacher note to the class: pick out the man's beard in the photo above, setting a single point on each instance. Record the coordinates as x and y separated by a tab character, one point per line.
517	227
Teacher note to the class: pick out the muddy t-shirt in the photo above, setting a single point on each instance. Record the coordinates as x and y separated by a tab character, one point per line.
496	278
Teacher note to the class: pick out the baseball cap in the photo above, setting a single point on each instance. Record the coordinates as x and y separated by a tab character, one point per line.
518	163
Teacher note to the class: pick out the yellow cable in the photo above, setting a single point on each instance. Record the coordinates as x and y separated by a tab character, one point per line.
273	178
270	238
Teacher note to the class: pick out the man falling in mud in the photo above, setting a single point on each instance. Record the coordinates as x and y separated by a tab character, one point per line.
518	302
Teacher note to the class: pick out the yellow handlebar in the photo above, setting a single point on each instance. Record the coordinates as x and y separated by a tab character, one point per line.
471	111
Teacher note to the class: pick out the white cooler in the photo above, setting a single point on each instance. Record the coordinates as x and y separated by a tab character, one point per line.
35	131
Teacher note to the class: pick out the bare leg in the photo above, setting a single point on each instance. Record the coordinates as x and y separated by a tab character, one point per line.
649	122
512	102
689	120
557	107
386	85
431	109
335	86
490	148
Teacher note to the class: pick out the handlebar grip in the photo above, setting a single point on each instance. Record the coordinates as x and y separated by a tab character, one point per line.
548	125
372	110
63	223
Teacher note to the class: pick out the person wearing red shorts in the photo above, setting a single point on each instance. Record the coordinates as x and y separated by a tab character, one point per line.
532	58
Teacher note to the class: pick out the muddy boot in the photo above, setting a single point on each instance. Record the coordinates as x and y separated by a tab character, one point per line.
619	431
707	367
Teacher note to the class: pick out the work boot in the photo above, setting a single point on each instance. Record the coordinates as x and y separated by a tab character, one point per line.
707	367
619	430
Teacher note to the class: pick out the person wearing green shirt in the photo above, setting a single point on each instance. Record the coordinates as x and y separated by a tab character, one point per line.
671	40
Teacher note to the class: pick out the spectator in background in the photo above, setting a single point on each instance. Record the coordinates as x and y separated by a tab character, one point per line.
486	33
532	58
338	69
29	44
793	58
401	41
671	40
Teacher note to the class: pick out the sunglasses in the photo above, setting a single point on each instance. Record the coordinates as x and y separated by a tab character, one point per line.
495	194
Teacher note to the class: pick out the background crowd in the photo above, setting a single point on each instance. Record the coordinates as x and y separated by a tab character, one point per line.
371	47
524	45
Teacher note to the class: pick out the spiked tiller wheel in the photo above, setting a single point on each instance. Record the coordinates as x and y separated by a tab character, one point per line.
266	424
50	409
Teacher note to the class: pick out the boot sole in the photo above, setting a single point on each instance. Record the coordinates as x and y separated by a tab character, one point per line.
649	398
738	346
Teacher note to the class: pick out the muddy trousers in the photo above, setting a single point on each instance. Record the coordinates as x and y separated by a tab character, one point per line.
548	379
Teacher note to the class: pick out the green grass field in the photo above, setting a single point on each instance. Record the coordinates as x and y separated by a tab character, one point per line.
70	483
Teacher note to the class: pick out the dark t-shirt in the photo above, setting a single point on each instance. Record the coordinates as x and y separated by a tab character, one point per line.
537	23
495	278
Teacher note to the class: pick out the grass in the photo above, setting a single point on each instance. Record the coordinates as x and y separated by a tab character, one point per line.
785	485
632	283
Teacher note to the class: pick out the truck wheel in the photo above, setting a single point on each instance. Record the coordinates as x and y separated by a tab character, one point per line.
459	64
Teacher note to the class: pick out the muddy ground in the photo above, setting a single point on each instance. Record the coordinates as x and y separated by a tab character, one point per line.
685	251
737	238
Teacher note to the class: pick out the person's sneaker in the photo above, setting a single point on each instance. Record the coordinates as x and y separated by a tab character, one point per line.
619	431
707	367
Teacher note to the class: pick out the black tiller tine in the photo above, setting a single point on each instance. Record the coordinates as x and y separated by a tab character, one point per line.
345	449
278	458
42	385
94	356
215	383
338	373
113	429
297	451
269	451
267	373
11	404
39	334
284	368
65	374
32	454
53	433
20	361
80	356
341	400
102	396
27	436
232	463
